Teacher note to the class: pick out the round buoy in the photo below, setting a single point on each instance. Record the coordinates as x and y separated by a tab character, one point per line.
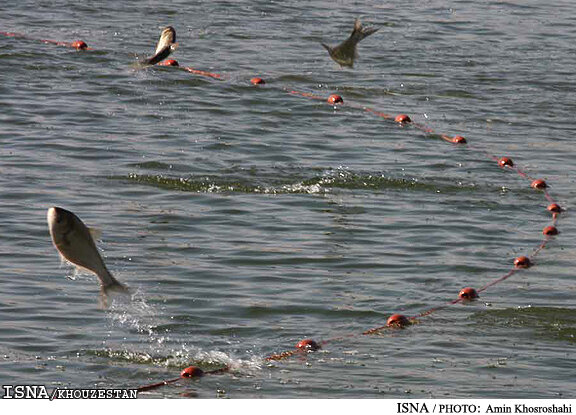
550	231
397	321
539	184
402	119
335	99
169	62
522	262
308	345
257	81
554	208
80	45
468	293
505	162
192	372
458	139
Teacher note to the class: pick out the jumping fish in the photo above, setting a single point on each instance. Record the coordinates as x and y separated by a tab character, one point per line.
345	53
74	242
166	45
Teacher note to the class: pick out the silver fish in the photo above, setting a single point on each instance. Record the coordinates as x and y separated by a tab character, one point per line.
74	242
345	53
166	45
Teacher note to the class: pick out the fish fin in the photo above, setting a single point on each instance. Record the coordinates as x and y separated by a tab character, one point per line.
357	26
116	287
107	293
174	46
368	31
328	48
361	32
95	233
109	283
167	37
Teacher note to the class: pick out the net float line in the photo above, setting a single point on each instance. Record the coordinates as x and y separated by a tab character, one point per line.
403	119
467	293
77	44
188	373
399	321
81	45
304	346
309	95
396	320
203	73
174	63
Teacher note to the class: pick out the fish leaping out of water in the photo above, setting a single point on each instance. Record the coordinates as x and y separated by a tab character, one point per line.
166	45
345	53
74	242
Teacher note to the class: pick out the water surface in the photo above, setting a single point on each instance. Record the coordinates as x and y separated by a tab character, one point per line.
246	219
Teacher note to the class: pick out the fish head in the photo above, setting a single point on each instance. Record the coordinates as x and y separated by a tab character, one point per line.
60	224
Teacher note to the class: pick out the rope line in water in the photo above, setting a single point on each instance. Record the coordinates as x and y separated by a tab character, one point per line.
174	63
77	44
395	321
399	321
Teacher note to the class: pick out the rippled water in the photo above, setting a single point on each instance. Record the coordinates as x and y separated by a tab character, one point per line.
245	218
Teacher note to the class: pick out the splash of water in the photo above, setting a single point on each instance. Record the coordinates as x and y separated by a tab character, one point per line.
137	314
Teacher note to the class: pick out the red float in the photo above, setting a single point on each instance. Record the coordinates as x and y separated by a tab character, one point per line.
257	81
550	231
169	62
539	184
402	119
397	321
80	45
335	99
192	372
308	345
468	293
522	262
458	139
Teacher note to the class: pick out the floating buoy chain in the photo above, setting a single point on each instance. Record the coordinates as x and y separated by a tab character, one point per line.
395	321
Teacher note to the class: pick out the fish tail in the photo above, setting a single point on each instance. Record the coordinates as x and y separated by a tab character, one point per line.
109	283
361	32
167	37
368	31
